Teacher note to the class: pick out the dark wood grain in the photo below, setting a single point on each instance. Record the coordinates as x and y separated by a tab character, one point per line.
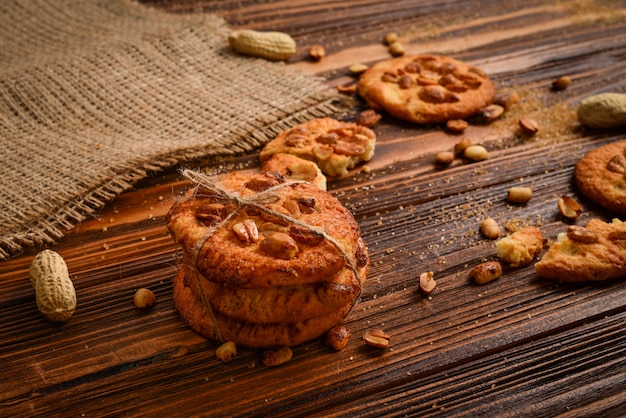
519	346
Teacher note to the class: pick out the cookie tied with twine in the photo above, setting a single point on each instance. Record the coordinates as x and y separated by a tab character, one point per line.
265	261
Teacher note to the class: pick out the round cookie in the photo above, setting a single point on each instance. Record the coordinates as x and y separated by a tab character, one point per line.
277	252
279	303
218	327
426	88
335	146
600	176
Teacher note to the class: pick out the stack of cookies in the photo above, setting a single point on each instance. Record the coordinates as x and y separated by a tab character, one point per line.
266	261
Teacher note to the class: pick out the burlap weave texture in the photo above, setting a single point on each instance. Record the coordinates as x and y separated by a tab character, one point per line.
96	94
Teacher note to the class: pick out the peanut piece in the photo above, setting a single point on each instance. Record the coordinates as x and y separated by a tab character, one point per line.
486	272
144	298
54	291
368	118
506	100
427	283
337	338
317	52
279	245
617	164
396	49
528	126
606	110
246	231
377	338
461	146
444	158
276	356
476	153
357	69
561	83
491	112
226	351
390	38
569	208
457	125
274	46
490	228
519	194
581	234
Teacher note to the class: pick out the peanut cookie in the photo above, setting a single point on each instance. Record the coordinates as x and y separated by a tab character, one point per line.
279	303
426	88
266	244
601	176
592	253
215	326
335	146
295	168
521	247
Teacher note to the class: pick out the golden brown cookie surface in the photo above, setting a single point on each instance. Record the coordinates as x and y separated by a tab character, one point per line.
426	88
253	247
601	176
335	146
596	252
280	303
218	327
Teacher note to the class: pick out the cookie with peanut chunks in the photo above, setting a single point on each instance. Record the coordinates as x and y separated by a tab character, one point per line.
601	176
521	247
216	326
263	246
592	253
279	303
295	168
426	89
335	146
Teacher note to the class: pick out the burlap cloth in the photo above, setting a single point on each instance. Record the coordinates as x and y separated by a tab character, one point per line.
96	94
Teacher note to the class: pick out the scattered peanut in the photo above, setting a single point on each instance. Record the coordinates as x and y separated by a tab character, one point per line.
54	291
476	153
606	110
486	272
275	46
377	338
368	118
444	158
357	69
337	338
569	208
349	88
317	52
519	194
491	112
144	298
581	234
226	351
276	356
427	283
396	49
457	125
528	126
461	146
490	229
390	38
561	83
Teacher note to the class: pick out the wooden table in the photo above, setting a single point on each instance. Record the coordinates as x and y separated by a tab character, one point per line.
519	346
